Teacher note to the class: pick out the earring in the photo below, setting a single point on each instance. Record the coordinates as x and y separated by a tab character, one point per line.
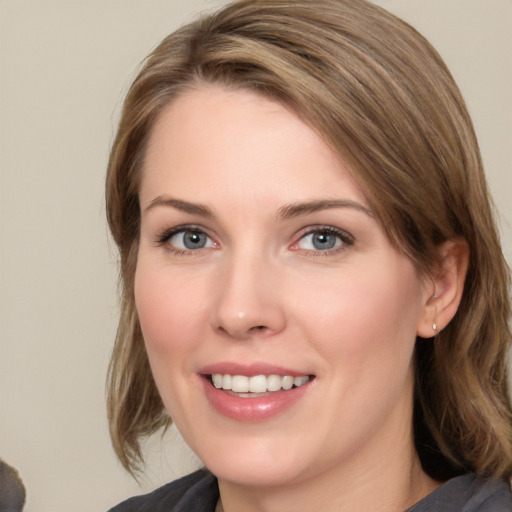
434	325
430	301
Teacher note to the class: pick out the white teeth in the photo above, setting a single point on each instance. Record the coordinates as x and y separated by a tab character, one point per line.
217	380
299	381
239	384
258	383
226	382
287	382
274	383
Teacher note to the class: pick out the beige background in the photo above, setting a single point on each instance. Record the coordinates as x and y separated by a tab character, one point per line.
64	67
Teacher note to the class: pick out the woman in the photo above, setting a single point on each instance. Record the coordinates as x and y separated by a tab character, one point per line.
313	287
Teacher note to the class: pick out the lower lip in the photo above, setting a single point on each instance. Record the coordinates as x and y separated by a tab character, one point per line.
252	409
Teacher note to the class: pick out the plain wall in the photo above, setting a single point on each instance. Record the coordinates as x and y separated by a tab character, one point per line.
64	68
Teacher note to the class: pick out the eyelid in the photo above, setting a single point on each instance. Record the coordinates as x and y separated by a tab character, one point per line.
346	238
164	236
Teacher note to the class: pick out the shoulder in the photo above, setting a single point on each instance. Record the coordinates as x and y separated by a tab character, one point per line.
197	491
493	496
468	493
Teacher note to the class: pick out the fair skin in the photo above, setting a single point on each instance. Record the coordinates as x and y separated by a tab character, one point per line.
259	254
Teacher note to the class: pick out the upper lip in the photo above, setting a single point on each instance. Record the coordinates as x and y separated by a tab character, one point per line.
250	370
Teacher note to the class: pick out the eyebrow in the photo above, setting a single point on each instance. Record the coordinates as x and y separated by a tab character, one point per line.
178	204
285	212
297	209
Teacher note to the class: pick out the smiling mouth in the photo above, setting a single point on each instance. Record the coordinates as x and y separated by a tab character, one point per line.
251	387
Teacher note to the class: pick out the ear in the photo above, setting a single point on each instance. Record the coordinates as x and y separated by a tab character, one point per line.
443	290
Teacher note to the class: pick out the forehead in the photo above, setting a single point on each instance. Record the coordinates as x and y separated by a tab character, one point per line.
221	137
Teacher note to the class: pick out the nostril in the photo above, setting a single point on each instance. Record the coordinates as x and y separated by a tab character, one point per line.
258	331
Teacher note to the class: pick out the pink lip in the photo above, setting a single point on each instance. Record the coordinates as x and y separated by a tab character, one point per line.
249	370
250	409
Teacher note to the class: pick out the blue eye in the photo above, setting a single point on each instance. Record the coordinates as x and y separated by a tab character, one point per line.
190	240
324	240
186	239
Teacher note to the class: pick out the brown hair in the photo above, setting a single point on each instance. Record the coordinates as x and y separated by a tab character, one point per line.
381	96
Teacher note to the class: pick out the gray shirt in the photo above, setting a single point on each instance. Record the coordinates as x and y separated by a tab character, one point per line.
198	492
467	493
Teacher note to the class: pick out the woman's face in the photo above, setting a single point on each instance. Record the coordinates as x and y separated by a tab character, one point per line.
262	266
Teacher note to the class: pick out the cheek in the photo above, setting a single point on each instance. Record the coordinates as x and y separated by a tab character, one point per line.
166	311
167	322
367	319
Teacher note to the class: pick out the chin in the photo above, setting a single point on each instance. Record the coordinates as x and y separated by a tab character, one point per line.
255	461
257	473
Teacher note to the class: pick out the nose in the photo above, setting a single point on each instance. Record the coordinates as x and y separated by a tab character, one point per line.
248	301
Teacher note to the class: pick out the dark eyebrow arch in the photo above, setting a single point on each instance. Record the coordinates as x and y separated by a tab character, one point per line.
178	204
296	209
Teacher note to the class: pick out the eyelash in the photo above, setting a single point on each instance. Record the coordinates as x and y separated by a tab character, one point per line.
345	238
165	236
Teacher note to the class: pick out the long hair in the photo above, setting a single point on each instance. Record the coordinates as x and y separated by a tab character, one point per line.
383	99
